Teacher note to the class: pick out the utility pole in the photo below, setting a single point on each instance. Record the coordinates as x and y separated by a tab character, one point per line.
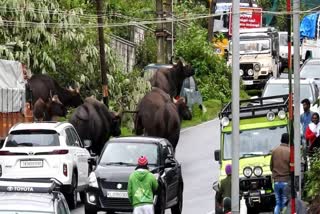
212	6
103	63
291	131
160	34
296	65
169	28
235	106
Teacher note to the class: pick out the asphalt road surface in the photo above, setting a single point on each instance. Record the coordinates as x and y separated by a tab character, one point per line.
195	152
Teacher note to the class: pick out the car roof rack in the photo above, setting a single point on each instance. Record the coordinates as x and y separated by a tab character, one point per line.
251	108
29	185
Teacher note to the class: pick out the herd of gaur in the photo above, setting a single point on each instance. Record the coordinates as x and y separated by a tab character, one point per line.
158	113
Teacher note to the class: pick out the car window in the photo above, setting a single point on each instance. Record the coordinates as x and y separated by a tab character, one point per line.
129	153
77	141
310	71
282	88
32	138
70	139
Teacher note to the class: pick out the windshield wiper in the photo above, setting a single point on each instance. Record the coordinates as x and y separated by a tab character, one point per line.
25	144
253	154
119	163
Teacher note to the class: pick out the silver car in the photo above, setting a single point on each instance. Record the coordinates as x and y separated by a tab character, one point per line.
311	69
189	87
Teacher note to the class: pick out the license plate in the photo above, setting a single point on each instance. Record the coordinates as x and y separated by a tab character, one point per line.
111	194
31	164
248	82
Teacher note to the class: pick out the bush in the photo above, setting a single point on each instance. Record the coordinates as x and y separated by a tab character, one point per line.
212	74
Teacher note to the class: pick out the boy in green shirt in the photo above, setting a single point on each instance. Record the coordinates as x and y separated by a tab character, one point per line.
142	185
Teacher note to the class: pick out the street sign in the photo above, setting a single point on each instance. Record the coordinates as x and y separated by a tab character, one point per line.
250	17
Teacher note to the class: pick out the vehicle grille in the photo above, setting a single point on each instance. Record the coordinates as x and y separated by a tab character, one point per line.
245	68
255	183
113	185
116	203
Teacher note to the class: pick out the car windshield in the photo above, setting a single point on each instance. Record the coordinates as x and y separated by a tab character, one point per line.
128	153
310	71
280	89
283	40
254	142
32	138
254	46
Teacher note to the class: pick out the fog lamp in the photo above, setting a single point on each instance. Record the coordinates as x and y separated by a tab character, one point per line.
282	114
257	171
225	121
250	72
271	116
247	171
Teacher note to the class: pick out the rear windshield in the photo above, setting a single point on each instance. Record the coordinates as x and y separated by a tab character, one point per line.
33	138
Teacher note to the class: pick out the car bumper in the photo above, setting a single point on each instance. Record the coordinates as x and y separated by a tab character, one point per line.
97	201
259	197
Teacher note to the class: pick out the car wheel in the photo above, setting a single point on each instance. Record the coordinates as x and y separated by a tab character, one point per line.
160	206
83	197
177	209
89	211
72	196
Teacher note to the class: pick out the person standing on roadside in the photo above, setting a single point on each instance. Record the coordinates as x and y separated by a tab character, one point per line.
280	168
305	117
312	132
142	186
223	196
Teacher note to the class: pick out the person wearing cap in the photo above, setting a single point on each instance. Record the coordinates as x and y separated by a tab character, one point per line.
280	168
223	196
142	186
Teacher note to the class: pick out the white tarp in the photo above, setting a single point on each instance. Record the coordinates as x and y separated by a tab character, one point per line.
12	86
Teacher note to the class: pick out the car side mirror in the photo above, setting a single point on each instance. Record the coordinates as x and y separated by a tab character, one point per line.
217	155
92	161
87	143
169	163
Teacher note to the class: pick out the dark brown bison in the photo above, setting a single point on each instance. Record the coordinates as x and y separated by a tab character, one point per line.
93	121
157	115
49	110
43	86
170	80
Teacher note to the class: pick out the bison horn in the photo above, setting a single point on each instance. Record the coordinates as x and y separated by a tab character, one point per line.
174	100
56	99
71	89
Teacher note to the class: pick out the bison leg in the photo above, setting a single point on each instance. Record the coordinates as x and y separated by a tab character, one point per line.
174	139
138	126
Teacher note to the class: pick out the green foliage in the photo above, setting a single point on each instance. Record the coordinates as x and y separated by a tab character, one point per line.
212	74
313	177
146	52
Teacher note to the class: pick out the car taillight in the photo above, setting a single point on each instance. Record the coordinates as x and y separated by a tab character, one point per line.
6	153
60	152
65	169
54	152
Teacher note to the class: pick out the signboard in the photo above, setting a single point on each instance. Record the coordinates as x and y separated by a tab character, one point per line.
250	17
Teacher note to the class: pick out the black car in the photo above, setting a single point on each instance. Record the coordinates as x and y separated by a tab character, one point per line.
108	182
32	196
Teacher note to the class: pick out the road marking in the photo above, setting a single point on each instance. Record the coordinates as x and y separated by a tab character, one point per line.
201	124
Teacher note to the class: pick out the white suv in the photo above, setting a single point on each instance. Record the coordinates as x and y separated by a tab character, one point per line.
47	150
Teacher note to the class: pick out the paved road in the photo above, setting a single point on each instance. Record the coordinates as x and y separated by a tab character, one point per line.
195	152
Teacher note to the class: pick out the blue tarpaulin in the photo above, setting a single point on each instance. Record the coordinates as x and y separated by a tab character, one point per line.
308	26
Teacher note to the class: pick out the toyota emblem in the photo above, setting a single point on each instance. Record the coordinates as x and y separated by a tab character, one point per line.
119	186
31	153
9	189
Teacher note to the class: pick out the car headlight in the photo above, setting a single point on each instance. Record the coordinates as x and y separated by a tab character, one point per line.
270	116
93	182
258	171
225	121
282	114
250	72
257	67
247	171
241	72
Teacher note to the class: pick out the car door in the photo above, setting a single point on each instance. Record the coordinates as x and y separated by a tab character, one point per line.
82	158
172	175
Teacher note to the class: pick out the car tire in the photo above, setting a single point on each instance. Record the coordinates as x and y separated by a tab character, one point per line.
160	206
89	211
83	197
72	196
177	209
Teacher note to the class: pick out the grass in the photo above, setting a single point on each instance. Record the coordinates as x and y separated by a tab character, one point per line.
210	111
